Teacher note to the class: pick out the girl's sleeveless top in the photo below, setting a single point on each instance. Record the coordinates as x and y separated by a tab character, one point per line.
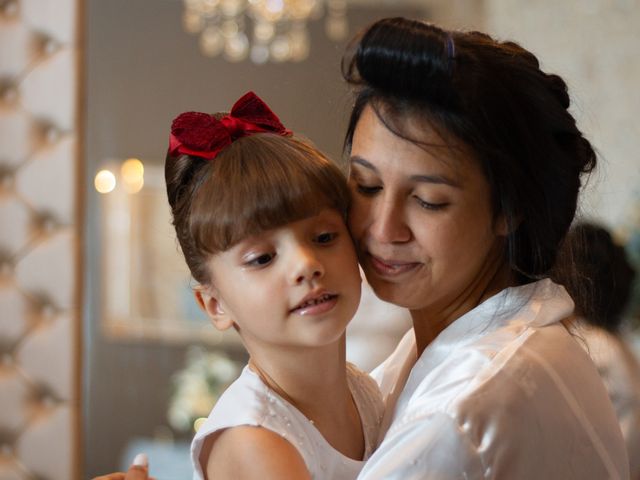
248	401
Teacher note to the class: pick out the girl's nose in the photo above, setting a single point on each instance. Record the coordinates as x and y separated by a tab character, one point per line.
306	266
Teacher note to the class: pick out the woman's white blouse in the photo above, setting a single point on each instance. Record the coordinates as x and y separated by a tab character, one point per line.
504	392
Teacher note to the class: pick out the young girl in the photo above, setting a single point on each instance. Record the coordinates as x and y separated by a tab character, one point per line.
260	217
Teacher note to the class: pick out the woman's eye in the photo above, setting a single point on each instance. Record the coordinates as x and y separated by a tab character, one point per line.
261	260
326	237
430	206
367	190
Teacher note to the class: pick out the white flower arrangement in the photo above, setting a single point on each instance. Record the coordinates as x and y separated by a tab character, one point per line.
198	386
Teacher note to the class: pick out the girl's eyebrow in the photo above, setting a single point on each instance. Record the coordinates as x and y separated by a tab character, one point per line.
437	179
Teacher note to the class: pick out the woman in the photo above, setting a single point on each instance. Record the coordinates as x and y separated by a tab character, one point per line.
465	168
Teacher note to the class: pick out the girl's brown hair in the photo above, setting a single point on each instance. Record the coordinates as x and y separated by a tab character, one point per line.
257	183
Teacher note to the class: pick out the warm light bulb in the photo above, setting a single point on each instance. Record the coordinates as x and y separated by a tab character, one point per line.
280	49
132	174
105	181
237	48
275	6
211	41
192	21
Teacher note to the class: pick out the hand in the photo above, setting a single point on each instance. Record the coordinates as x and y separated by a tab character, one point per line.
139	470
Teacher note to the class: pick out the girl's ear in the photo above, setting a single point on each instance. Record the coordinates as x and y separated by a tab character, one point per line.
210	302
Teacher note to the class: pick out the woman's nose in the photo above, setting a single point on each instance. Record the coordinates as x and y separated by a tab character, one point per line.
306	266
387	221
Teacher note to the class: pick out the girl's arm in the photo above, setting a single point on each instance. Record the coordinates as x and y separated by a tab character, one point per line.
251	452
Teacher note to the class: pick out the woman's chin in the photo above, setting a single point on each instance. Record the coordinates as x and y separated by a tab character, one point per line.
391	292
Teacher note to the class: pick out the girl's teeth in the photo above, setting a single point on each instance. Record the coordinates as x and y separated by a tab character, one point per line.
315	301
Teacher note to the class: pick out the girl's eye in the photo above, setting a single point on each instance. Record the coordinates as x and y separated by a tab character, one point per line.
326	237
367	190
430	206
261	260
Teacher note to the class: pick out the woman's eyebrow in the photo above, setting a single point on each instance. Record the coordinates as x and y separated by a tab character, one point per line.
437	179
361	161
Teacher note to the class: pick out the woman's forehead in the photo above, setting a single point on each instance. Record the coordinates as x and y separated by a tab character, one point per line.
415	148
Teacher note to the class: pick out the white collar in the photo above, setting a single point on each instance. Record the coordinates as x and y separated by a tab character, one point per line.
535	304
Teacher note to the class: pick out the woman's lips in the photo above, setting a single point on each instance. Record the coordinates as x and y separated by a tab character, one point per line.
390	268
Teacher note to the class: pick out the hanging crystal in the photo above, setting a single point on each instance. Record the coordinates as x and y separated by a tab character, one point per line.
262	30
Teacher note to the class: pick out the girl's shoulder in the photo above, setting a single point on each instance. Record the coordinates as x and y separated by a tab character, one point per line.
271	456
247	402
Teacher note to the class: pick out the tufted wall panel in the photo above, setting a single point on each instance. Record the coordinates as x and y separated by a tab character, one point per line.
39	240
593	44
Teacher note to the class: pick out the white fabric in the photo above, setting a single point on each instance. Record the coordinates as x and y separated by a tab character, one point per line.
620	371
504	392
248	401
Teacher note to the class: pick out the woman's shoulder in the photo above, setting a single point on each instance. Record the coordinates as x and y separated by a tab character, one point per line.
533	383
511	363
539	392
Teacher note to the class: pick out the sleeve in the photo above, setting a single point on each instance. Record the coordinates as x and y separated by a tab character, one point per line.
428	448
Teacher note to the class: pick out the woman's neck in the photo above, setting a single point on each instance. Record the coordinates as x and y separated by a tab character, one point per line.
429	322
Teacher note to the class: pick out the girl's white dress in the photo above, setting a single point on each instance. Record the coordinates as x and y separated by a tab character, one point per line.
248	401
504	392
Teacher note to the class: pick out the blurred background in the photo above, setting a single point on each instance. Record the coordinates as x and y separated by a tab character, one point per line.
102	351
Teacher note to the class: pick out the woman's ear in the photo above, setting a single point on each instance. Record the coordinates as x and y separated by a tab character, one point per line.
210	302
503	227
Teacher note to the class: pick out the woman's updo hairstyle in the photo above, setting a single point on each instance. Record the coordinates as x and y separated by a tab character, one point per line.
492	97
257	183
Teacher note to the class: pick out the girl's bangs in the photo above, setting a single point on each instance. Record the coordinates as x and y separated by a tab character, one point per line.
269	182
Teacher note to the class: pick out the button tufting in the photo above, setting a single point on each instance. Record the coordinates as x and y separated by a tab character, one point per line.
10	8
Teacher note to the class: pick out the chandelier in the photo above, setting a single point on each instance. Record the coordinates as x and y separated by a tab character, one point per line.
262	30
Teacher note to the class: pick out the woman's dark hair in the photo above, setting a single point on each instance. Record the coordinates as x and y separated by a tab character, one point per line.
492	97
257	183
604	275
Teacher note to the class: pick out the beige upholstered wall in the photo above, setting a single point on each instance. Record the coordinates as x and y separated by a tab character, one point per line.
39	240
594	45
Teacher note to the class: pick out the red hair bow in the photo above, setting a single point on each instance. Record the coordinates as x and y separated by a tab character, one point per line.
202	135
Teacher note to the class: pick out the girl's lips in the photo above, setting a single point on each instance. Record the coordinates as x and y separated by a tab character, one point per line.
390	268
316	305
